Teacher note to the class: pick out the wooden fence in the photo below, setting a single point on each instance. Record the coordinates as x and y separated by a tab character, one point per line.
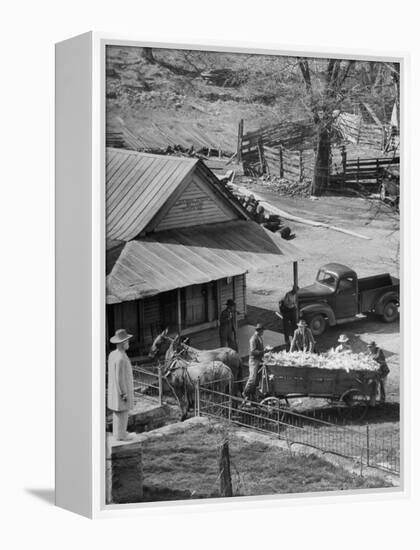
286	135
286	149
366	170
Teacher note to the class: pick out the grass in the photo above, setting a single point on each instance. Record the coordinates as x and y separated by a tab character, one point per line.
185	467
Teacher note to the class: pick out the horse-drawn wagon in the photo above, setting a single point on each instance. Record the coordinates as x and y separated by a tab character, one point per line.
351	390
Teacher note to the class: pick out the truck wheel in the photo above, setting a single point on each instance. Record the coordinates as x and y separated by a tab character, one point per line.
390	313
317	324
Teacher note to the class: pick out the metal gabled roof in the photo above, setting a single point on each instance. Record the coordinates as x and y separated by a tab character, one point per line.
182	257
137	186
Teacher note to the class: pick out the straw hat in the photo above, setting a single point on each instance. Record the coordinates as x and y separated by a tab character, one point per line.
372	344
120	336
302	323
343	339
259	327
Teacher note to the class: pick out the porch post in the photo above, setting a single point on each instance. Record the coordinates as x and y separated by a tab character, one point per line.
178	308
295	275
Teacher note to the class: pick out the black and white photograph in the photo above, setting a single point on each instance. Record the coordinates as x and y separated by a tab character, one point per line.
252	274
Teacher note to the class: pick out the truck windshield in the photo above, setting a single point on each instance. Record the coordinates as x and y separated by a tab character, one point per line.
327	279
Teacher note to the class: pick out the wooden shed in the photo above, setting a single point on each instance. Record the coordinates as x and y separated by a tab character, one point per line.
178	246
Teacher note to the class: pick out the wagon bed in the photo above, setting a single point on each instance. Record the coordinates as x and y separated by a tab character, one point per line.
344	388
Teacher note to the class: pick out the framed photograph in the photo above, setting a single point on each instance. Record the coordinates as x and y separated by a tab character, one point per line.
228	274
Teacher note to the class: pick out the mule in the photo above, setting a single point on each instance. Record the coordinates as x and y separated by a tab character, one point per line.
182	376
228	356
160	346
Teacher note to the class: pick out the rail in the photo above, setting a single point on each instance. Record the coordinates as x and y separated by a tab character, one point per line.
365	445
148	382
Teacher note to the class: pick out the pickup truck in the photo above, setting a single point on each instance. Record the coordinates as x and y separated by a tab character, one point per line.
338	296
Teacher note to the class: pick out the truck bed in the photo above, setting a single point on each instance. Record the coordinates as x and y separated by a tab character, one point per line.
372	288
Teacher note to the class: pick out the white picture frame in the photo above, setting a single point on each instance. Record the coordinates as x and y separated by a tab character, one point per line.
80	277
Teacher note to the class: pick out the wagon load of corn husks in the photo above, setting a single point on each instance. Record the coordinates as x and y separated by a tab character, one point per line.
331	360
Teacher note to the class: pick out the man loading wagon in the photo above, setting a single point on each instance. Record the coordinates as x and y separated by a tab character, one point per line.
377	355
303	339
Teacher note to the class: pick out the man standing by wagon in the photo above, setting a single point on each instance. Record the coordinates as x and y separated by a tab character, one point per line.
120	385
287	308
256	354
377	355
227	326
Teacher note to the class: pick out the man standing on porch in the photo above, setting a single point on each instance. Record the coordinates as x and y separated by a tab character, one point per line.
227	326
120	385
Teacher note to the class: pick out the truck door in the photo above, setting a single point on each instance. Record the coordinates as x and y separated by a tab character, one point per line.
346	297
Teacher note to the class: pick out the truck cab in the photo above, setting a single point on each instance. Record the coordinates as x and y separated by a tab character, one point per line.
339	296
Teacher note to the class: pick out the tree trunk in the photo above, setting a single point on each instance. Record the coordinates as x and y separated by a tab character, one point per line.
396	79
322	161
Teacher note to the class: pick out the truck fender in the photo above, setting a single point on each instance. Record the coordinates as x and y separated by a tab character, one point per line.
324	309
390	296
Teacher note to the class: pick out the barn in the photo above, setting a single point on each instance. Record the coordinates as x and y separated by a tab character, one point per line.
178	246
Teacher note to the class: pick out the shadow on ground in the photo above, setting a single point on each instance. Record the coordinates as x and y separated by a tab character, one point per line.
267	317
47	495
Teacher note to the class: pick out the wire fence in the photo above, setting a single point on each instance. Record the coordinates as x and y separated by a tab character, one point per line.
148	382
365	445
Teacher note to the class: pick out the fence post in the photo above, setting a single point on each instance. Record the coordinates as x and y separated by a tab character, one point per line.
300	166
261	156
224	470
240	138
357	170
344	163
281	162
367	445
198	396
230	400
160	385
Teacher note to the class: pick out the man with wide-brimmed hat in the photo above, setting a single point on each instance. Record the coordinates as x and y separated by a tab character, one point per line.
288	313
377	355
256	354
343	344
303	339
120	384
227	326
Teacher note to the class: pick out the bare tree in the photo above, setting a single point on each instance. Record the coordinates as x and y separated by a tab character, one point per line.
324	100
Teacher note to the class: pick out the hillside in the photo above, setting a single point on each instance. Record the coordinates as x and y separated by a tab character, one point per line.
164	87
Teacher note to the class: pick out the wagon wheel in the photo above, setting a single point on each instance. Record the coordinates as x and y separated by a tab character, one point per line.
354	404
272	405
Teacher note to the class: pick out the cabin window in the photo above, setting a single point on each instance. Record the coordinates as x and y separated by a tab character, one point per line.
327	279
347	283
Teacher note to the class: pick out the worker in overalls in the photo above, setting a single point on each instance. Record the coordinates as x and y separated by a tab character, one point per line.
303	339
377	355
256	354
343	344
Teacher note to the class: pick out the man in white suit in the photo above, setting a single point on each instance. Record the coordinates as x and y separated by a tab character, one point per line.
120	384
